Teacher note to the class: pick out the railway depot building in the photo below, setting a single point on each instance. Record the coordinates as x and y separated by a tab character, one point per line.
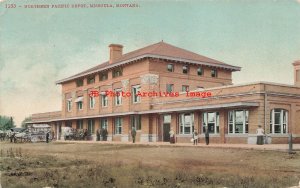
161	86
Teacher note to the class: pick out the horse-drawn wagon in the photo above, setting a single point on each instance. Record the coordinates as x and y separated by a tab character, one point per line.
34	133
74	134
38	132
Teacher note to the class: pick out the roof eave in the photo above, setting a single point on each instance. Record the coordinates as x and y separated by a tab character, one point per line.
230	67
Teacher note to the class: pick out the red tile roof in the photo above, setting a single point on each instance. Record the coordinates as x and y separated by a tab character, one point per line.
158	50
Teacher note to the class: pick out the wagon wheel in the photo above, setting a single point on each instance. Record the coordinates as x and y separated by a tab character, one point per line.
34	139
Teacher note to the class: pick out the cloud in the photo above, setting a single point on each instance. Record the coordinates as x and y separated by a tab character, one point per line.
28	80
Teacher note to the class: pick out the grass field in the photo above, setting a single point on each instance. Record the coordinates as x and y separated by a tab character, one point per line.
106	165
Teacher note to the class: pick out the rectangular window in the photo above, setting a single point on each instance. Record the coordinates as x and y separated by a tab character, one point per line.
117	72
238	121
79	82
92	102
186	123
135	121
91	79
79	124
170	87
118	125
91	126
104	123
135	90
185	88
214	73
170	67
185	69
104	99
79	105
79	102
103	76
199	71
69	104
118	97
167	118
279	121
210	121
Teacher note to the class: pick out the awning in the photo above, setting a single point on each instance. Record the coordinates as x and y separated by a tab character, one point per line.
70	99
79	99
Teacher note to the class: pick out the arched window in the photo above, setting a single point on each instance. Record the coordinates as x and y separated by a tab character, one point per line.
279	121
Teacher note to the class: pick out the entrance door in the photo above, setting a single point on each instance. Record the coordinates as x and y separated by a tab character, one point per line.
166	130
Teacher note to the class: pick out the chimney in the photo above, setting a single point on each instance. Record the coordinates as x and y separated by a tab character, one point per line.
115	52
297	73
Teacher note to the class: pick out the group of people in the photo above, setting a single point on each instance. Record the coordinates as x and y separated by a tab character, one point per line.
195	137
102	134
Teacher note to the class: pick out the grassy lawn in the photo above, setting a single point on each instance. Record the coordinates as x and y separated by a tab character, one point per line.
105	165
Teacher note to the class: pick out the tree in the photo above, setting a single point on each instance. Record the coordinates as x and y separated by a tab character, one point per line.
27	119
6	123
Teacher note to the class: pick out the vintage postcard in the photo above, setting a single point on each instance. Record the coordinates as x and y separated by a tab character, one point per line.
149	93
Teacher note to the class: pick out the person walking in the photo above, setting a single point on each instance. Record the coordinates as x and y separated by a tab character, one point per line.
195	137
260	135
133	134
172	136
207	136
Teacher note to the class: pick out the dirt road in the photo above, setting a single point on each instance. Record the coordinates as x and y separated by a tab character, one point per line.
106	165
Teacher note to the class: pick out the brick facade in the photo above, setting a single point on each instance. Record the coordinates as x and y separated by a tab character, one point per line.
150	72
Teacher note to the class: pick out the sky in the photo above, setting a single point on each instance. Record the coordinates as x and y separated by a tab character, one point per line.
40	46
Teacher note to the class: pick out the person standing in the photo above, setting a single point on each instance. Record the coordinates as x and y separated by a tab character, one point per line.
85	134
11	135
47	137
133	134
98	134
195	137
260	135
172	136
104	134
206	135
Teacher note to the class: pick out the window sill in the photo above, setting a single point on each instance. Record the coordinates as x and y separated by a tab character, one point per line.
237	135
274	135
210	135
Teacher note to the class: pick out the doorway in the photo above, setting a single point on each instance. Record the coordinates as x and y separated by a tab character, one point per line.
166	130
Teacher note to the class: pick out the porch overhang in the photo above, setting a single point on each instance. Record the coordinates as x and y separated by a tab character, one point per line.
206	107
182	109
